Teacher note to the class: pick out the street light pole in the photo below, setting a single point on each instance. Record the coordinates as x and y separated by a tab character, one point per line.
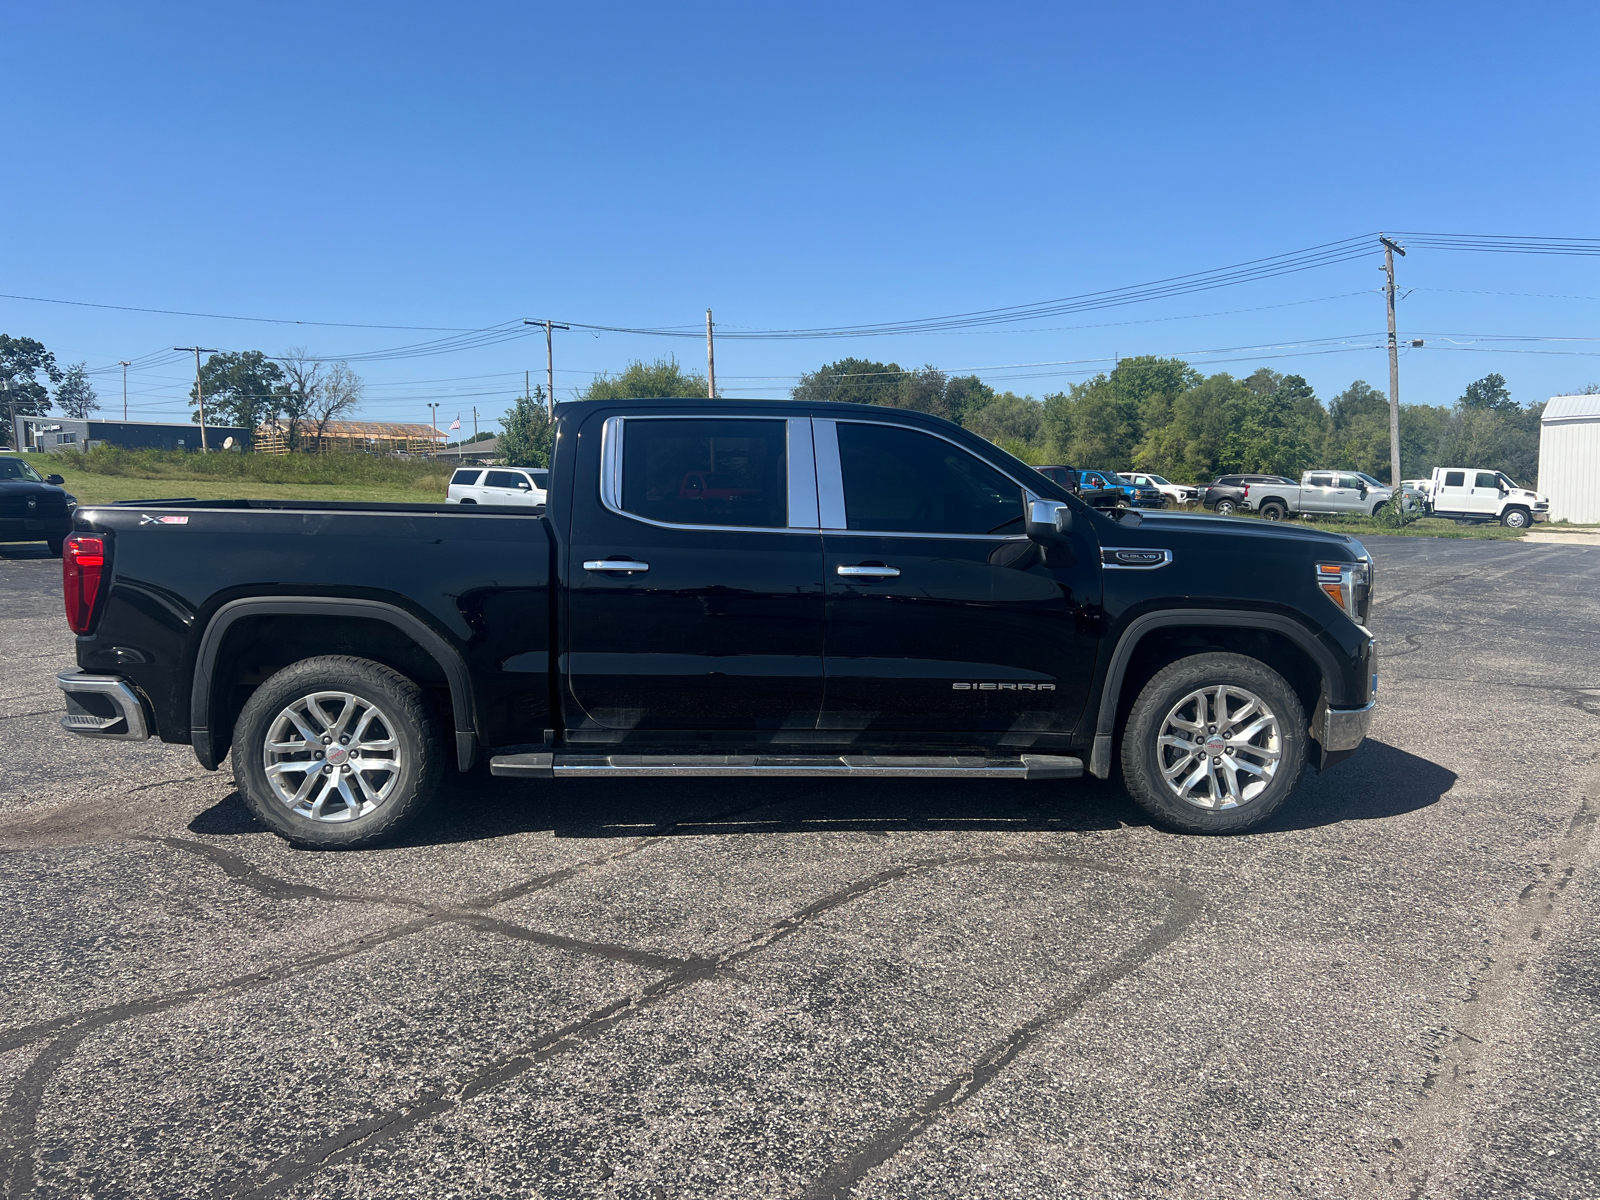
199	391
711	361
124	364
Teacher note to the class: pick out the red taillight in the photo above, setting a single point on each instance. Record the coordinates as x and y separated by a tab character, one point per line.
1246	490
83	560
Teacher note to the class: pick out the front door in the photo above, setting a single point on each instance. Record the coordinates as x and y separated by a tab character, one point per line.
1486	493
1316	493
712	618
942	616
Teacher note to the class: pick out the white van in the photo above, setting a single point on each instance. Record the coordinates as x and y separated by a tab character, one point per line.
527	486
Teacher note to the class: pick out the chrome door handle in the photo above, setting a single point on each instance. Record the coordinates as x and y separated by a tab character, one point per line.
615	564
868	572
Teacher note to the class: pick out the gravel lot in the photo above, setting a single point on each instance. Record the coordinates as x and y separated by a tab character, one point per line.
826	989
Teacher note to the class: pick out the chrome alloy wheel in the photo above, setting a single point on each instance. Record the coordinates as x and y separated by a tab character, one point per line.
332	756
1219	747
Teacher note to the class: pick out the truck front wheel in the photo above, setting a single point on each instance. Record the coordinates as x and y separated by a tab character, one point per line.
1214	744
1516	518
337	752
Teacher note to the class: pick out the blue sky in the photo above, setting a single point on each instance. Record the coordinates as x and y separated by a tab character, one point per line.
456	167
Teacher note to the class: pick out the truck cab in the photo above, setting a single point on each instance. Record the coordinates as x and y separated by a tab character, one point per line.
1471	494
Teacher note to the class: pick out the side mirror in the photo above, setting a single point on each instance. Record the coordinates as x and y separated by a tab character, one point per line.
58	480
1048	520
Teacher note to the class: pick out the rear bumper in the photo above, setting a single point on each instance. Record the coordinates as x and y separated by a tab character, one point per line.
102	706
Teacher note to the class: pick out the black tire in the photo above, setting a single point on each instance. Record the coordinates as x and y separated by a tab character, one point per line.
1143	756
1516	518
1379	507
1225	508
401	708
55	545
1273	511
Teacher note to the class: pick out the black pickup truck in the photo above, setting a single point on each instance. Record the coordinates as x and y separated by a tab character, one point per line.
723	588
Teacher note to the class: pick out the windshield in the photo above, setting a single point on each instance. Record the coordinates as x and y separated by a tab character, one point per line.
1158	481
1505	481
1371	482
15	468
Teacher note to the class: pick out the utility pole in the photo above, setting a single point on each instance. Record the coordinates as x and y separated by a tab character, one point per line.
11	407
199	391
433	422
474	424
711	361
549	363
124	364
1389	251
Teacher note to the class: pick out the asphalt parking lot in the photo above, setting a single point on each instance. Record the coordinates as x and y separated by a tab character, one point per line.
820	988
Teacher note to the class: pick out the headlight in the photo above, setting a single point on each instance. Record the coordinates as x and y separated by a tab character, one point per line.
1349	585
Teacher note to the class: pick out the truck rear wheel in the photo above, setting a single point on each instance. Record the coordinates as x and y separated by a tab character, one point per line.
1272	510
337	752
1214	744
1225	508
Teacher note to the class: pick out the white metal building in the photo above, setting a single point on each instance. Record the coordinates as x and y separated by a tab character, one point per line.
1569	458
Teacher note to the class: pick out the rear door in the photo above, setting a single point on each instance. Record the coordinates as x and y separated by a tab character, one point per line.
1453	494
712	618
942	617
1316	493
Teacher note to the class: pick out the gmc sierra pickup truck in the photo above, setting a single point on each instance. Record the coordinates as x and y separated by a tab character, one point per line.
853	592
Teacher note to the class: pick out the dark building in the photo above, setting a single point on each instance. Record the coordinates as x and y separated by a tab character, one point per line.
54	433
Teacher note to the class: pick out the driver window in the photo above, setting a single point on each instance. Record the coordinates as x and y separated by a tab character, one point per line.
901	481
1351	482
1488	480
503	479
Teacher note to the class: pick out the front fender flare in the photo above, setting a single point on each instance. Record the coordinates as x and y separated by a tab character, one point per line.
1117	667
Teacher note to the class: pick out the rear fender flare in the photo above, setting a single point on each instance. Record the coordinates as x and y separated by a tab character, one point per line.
1100	756
450	661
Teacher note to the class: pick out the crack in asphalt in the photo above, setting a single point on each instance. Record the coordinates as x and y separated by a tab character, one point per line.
837	1181
20	1114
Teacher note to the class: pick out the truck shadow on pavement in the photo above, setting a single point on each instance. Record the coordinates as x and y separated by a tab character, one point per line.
1381	781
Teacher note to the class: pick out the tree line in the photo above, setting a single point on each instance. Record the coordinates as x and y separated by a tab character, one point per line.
1163	416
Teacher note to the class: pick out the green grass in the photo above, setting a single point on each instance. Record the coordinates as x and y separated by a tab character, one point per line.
1421	527
106	474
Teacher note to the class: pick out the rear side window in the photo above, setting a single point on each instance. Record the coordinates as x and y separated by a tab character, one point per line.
1319	480
901	481
1228	481
1489	480
465	478
707	472
1454	479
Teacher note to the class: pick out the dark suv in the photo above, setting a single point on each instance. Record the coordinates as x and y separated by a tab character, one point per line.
1230	492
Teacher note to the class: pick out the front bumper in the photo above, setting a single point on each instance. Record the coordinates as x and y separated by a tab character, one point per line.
1341	729
102	706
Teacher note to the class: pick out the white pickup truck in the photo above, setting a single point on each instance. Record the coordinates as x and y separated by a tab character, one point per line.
1471	494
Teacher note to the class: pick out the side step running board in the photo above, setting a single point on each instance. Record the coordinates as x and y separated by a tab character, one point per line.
618	766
